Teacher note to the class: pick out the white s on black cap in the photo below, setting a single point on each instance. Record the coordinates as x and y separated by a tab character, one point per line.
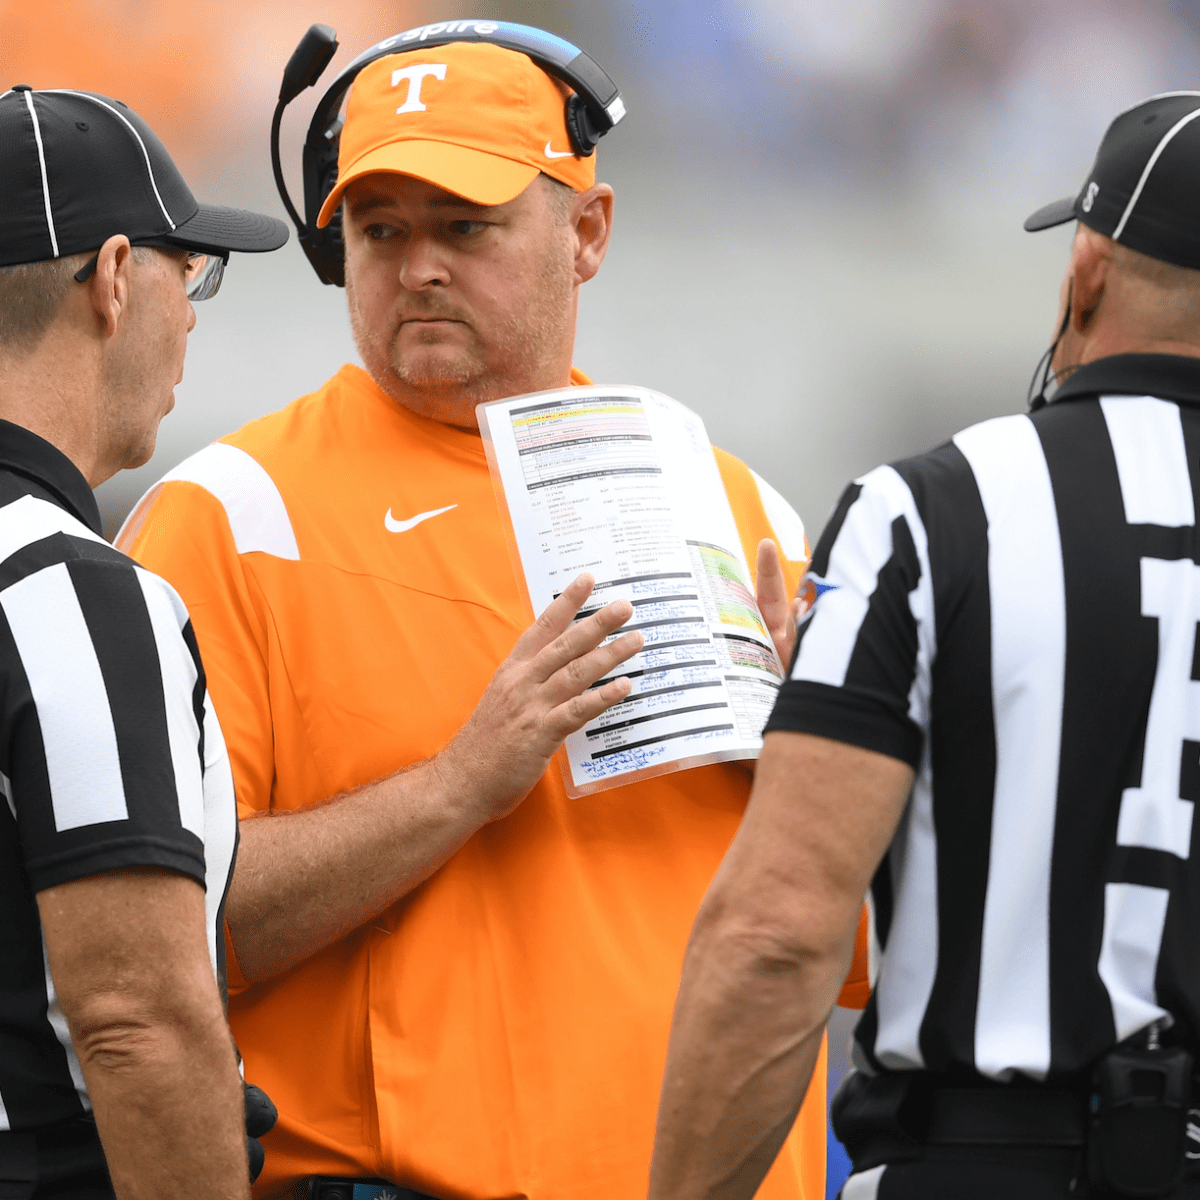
1142	188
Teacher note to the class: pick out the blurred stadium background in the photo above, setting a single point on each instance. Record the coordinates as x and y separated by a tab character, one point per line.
819	202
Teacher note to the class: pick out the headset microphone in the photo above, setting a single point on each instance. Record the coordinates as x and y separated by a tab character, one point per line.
304	68
592	109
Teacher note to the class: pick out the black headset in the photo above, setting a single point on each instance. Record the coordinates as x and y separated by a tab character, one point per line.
591	111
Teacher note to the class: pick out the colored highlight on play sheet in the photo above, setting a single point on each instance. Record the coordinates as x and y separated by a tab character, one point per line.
622	482
731	588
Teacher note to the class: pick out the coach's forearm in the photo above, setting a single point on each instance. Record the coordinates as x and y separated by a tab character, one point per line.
746	1035
305	879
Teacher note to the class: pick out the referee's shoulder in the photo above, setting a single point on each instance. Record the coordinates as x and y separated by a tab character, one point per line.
35	532
37	536
945	474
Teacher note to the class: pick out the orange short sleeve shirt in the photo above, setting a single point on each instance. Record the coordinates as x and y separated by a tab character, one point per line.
502	1030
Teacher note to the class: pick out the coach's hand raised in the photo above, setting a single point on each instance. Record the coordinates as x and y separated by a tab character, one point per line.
541	693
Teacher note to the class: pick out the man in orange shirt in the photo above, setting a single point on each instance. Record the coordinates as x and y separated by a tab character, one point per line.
446	973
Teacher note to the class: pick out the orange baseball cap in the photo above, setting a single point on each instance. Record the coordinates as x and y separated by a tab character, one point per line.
475	119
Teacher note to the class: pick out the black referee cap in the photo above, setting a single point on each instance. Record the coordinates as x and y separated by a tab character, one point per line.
78	168
1142	189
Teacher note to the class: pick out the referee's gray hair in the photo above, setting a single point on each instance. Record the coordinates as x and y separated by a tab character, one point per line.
31	295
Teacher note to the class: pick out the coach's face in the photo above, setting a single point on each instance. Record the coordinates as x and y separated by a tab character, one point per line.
453	303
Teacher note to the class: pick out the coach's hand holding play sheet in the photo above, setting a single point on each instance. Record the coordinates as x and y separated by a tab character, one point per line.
622	482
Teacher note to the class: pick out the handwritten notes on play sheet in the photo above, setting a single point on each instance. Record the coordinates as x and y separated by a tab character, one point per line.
622	482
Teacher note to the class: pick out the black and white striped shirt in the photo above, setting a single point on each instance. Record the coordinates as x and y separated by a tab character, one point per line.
110	755
1015	615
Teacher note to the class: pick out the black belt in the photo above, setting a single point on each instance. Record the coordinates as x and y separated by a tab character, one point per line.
891	1117
1003	1117
1128	1125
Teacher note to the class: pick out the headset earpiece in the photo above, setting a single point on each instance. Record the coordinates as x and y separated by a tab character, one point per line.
592	109
584	134
322	246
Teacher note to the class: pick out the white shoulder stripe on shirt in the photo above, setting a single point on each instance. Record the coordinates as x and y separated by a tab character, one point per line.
257	514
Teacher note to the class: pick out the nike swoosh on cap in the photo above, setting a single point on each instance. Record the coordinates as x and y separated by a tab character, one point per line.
393	526
558	153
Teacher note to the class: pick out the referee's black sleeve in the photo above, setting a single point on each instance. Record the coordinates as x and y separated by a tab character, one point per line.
103	747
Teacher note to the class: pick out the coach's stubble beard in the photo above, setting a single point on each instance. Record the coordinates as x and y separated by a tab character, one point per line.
518	356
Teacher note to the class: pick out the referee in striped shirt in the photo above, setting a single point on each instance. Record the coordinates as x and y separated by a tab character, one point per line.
118	830
992	718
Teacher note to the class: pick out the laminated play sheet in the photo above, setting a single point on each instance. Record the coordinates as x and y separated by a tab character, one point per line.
622	482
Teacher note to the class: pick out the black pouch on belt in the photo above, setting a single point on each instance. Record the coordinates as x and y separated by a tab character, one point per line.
882	1118
1138	1128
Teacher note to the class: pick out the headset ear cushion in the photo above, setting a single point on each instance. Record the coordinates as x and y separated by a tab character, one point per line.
332	251
581	127
324	247
326	255
327	173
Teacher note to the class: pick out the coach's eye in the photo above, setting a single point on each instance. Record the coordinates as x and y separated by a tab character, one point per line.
378	231
466	228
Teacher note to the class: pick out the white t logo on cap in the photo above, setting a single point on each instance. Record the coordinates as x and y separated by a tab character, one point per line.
416	76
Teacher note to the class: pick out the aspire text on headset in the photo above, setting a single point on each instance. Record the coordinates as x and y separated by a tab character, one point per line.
591	111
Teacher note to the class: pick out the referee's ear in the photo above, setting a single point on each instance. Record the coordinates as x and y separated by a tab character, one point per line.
109	285
1091	261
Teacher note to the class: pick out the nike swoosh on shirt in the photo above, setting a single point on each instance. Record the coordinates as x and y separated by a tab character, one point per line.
558	153
394	526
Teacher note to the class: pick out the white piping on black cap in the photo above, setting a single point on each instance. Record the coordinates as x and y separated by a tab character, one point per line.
1141	183
1150	100
137	136
37	137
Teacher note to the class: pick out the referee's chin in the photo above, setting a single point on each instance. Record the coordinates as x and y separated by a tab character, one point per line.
125	455
141	452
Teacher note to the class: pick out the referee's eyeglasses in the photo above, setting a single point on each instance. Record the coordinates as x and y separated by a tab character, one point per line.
203	273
